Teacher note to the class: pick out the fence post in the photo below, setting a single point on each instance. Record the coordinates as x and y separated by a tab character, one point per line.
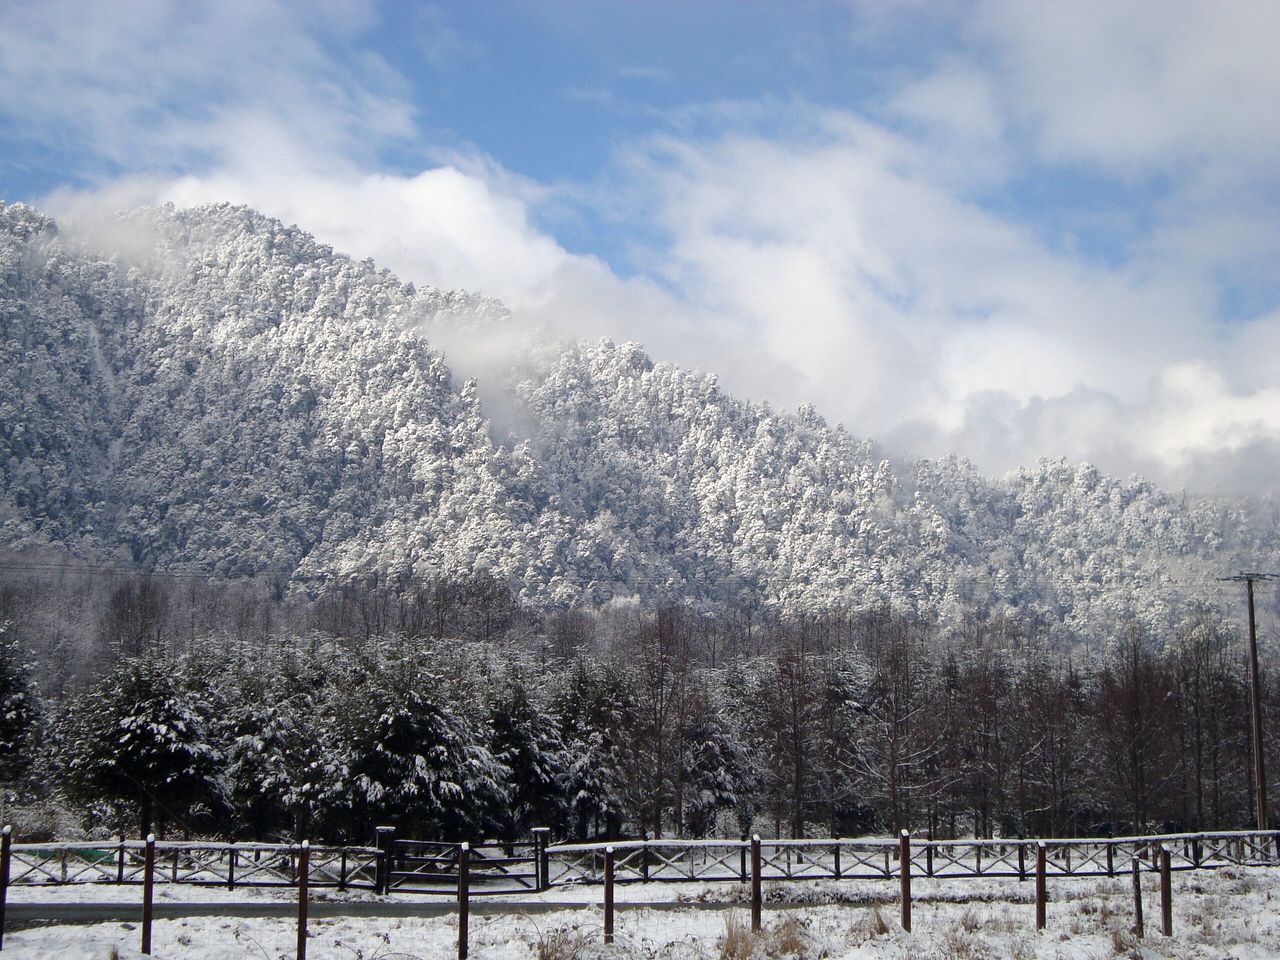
231	869
608	894
385	837
644	856
742	859
755	883
120	863
1111	866
148	889
1136	865
541	864
6	857
837	861
1195	851
464	895
304	878
904	872
1166	893
547	862
1022	861
928	858
342	869
1040	885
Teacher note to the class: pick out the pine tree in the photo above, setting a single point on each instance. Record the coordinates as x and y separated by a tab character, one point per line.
19	712
525	740
713	775
413	763
594	711
279	774
139	743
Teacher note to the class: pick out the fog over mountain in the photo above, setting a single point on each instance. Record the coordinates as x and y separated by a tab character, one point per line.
210	390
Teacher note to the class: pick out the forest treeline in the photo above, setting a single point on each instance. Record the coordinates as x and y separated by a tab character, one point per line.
451	711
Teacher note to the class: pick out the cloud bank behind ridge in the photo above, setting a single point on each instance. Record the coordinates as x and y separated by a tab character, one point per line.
1052	236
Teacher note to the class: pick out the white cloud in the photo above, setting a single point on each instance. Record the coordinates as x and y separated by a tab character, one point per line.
958	106
463	225
442	223
830	259
1197	411
1128	83
166	84
919	317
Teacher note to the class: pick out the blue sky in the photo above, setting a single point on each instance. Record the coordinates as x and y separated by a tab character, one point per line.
1008	229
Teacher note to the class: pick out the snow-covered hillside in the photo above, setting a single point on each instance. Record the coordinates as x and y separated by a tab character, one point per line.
211	389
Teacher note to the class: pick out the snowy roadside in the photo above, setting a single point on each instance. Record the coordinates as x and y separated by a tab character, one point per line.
571	893
170	892
1217	914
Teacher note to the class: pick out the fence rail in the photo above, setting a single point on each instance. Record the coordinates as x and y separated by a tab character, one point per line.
879	859
199	864
434	868
417	867
462	870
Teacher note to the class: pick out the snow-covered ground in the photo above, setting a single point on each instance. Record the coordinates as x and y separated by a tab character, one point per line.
1234	912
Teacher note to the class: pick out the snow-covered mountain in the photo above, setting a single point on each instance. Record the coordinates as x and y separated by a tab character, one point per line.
210	389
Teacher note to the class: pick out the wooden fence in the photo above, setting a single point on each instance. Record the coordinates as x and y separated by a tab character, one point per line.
638	861
754	861
229	865
408	866
435	868
463	870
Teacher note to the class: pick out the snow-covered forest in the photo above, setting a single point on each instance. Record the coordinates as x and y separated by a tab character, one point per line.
270	569
456	712
210	391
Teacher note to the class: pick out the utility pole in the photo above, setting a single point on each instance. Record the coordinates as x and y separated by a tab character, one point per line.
1259	765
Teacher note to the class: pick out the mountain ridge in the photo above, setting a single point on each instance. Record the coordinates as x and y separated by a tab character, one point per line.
212	389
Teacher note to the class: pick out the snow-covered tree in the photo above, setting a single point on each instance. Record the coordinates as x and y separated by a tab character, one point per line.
412	762
234	397
140	742
19	712
526	741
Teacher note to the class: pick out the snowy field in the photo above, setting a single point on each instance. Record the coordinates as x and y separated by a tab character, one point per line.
1228	913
